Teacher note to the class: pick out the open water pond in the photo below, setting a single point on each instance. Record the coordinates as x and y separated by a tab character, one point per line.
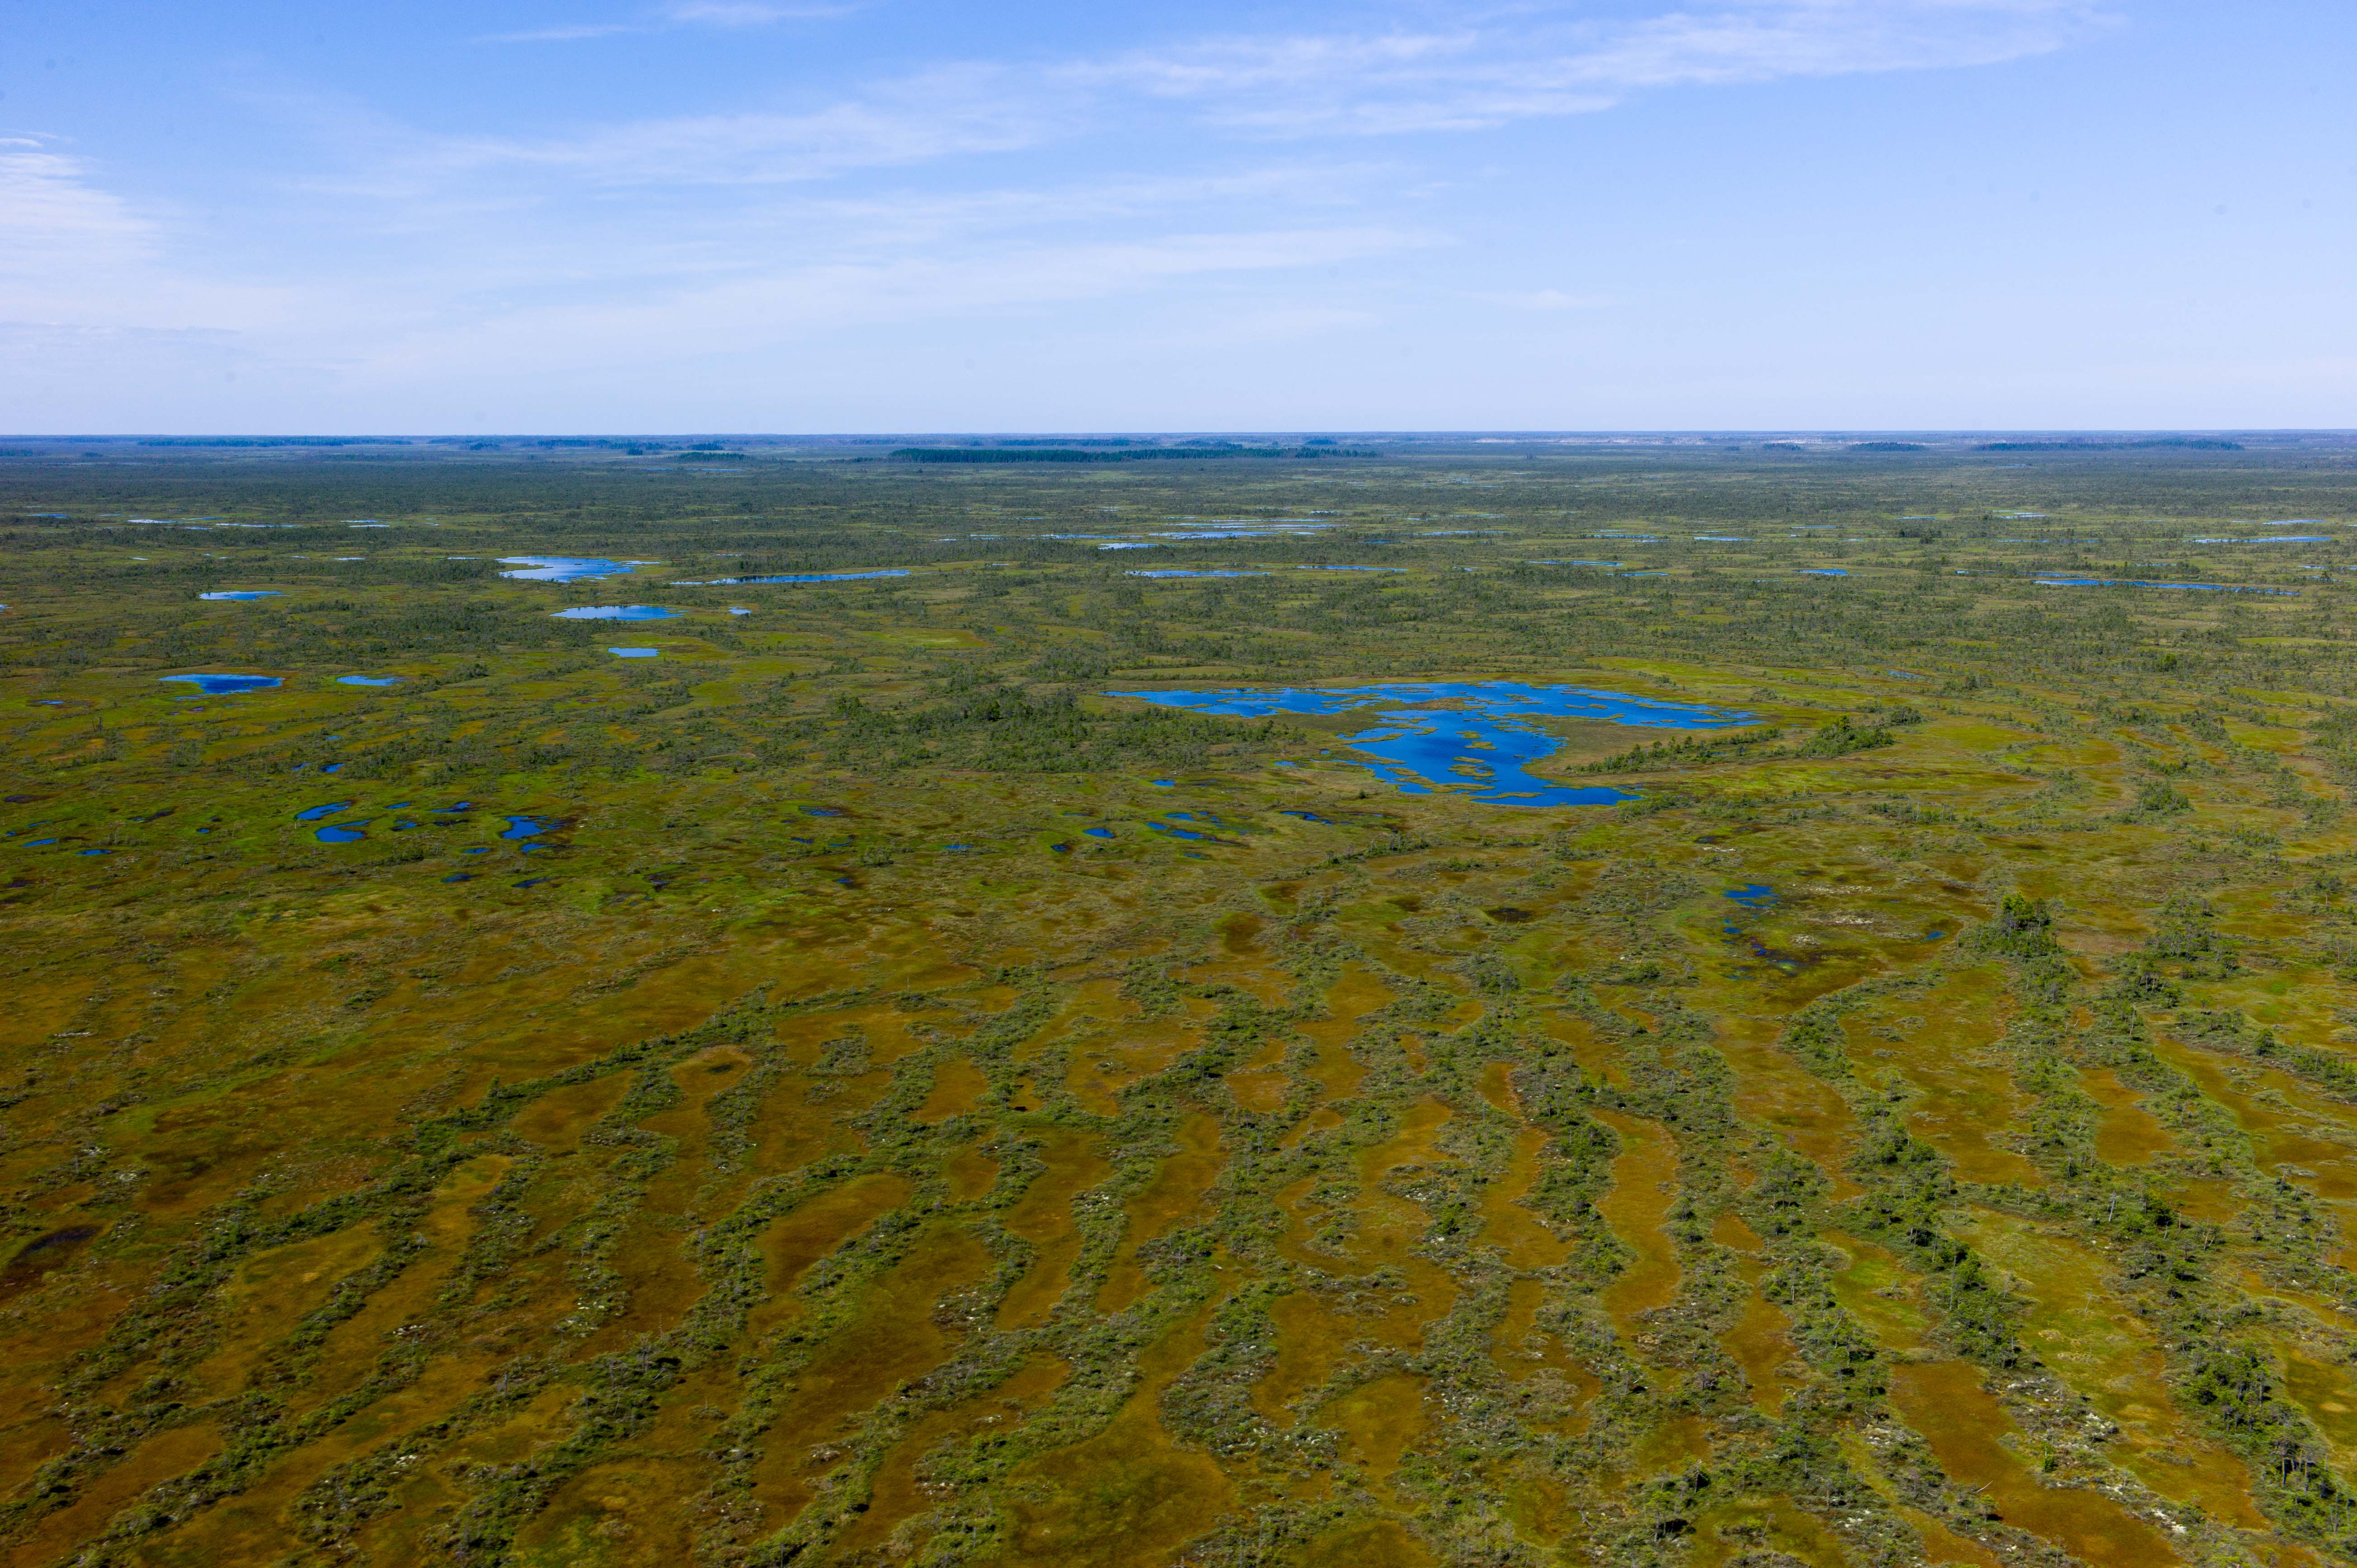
316	812
636	652
566	568
241	594
223	685
614	612
367	680
1182	572
343	833
1480	743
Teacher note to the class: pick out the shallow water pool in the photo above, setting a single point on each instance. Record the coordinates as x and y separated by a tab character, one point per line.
614	612
566	568
1478	743
223	685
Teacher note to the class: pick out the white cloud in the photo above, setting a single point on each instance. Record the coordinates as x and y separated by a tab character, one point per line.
680	14
653	247
1548	299
775	309
940	115
55	221
1532	62
745	14
1526	64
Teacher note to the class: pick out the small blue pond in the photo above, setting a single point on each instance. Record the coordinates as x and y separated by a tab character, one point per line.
223	685
343	833
1176	833
793	577
614	612
97	852
529	827
332	767
636	652
1479	742
1823	572
1309	817
1098	832
1350	568
566	568
1753	895
367	680
461	876
316	812
243	593
1180	572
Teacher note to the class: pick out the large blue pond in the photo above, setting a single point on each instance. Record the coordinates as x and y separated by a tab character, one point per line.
636	652
1480	743
614	612
242	594
367	680
566	568
223	685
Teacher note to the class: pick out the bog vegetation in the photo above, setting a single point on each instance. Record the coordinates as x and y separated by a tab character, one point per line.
853	1089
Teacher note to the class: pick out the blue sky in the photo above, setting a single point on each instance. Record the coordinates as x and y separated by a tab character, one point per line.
741	215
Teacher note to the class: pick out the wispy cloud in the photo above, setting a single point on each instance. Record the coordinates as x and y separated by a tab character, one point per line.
1548	299
681	14
54	218
1011	196
1534	63
1540	63
941	114
748	13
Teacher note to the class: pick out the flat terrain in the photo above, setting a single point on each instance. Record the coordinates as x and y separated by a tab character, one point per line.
861	1086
